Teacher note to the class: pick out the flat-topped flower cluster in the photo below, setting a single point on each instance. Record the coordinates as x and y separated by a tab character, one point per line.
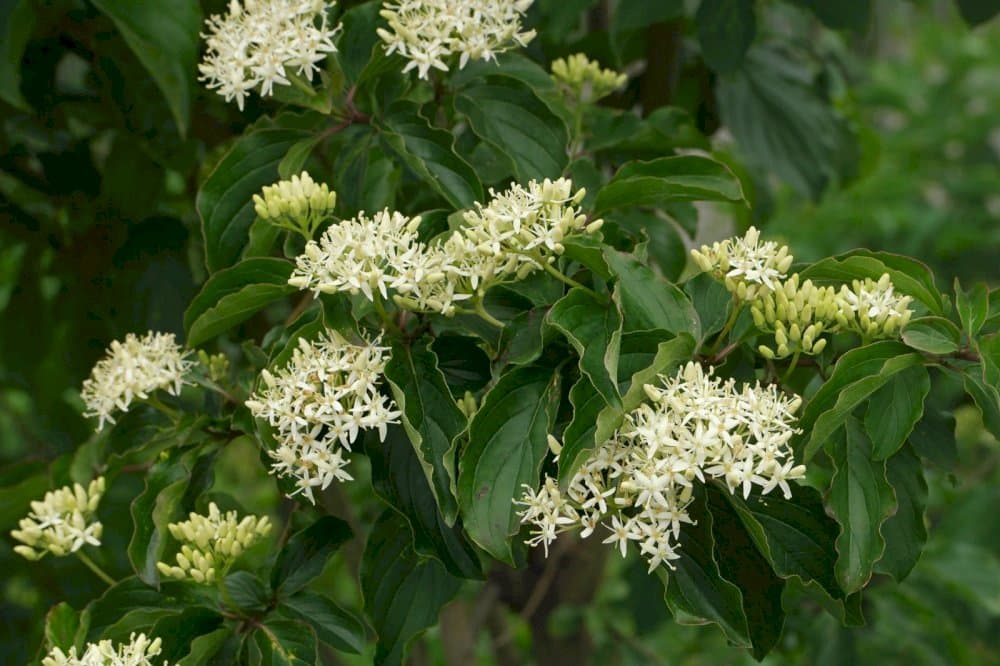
800	312
62	522
139	651
639	484
318	404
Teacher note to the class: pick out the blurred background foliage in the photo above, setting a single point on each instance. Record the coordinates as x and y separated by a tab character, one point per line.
869	123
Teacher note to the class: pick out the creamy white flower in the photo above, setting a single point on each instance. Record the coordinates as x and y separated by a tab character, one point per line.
696	427
62	522
210	544
131	370
318	404
746	265
429	33
258	42
139	651
874	309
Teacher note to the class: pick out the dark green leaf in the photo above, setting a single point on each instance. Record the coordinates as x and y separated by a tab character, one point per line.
246	591
306	553
712	302
225	200
594	422
286	643
934	438
986	397
905	532
61	625
17	21
399	479
179	630
216	648
843	15
234	294
726	29
507	444
166	42
333	625
429	152
648	301
696	591
594	328
934	335
430	416
973	306
977	11
861	499
508	115
403	593
646	355
521	339
668	179
894	410
632	15
589	252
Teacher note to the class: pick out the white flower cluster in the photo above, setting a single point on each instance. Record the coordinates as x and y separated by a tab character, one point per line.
298	204
134	369
139	651
506	239
318	404
62	522
745	265
697	428
257	40
874	309
210	544
585	79
429	32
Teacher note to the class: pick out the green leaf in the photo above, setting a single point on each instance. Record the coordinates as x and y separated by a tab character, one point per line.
973	306
508	439
798	539
286	643
712	302
843	15
399	479
509	116
216	648
696	591
646	355
988	347
306	553
522	338
61	625
589	252
894	410
403	593
934	437
293	161
863	370
430	153
334	626
648	301
977	11
594	329
934	335
235	294
225	199
908	276
430	416
741	563
782	122
905	532
669	179
17	22
594	422
861	499
726	29
247	591
166	42
986	397
180	629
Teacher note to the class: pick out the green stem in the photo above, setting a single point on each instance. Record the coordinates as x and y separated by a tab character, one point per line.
791	367
387	321
554	272
480	310
96	569
302	85
154	401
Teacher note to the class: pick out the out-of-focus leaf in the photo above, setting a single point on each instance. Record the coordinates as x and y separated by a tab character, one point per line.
17	21
726	29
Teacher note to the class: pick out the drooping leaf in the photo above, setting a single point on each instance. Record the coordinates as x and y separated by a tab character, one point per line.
430	153
403	593
934	335
399	479
333	625
234	294
166	42
225	199
669	179
894	410
648	302
430	416
726	29
861	499
508	115
507	444
905	532
306	553
986	396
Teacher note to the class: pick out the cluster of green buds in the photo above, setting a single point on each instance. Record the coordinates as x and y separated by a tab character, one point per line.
298	204
747	266
584	78
217	365
873	309
798	315
210	544
62	522
467	404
